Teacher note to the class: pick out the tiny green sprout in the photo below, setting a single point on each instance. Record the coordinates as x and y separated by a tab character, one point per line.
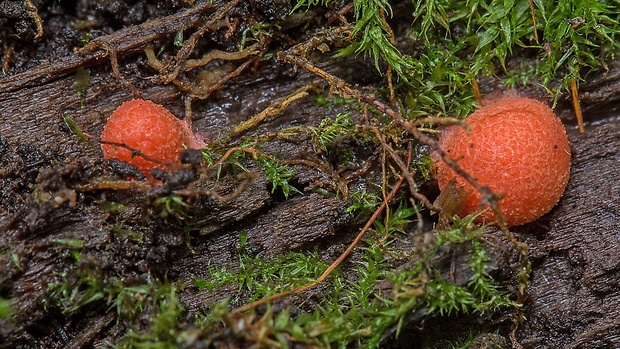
112	206
70	243
397	220
332	101
210	157
85	38
178	38
173	204
243	240
132	235
74	246
77	255
422	165
73	126
464	343
161	50
254	32
202	284
16	260
82	79
128	300
5	308
321	100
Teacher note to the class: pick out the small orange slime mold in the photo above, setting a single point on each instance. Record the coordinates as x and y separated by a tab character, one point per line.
518	148
150	128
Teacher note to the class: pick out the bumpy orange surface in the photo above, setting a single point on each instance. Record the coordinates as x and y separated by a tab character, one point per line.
148	127
517	147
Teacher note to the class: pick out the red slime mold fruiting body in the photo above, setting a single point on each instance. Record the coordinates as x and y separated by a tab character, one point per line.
149	128
518	148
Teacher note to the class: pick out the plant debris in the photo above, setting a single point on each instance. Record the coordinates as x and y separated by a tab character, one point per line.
310	213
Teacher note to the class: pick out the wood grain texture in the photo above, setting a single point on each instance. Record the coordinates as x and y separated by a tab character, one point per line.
575	286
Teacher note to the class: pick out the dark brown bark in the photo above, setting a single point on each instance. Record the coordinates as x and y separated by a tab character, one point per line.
573	298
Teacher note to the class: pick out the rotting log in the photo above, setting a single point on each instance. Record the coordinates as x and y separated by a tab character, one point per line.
573	248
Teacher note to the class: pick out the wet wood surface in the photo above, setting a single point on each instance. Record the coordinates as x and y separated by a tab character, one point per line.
574	297
575	252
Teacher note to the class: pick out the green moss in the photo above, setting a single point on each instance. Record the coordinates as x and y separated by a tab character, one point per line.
458	41
150	311
279	176
75	289
353	310
363	202
172	205
259	277
162	324
331	131
376	38
570	37
332	101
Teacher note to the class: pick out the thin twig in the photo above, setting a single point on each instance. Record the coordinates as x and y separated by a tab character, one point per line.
404	170
134	152
533	13
273	109
576	105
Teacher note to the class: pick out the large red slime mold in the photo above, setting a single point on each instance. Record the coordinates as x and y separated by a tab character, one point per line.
519	149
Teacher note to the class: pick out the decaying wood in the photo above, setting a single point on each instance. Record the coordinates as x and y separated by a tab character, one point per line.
575	251
123	42
573	297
